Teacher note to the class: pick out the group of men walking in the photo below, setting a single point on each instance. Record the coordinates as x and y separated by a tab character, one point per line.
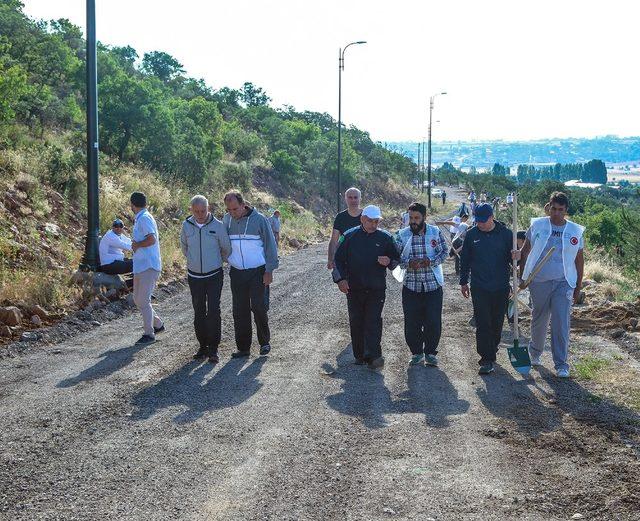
359	257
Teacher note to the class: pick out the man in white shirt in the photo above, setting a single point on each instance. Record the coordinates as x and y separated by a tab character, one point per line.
274	221
112	247
147	266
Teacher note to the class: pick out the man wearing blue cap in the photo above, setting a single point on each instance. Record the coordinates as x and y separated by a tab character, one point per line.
487	255
112	247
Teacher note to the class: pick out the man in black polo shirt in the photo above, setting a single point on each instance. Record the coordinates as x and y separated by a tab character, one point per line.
487	253
361	262
344	221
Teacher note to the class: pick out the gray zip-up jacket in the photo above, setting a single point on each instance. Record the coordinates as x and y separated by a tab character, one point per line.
205	248
252	241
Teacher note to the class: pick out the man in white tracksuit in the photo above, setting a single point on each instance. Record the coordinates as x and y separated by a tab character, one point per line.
254	256
557	285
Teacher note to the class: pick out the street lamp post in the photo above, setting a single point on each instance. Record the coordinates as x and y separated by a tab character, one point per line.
429	149
340	69
90	260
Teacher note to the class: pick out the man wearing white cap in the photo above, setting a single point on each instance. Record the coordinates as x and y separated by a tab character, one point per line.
361	262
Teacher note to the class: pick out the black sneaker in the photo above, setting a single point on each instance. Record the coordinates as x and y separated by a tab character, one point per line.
265	349
213	357
376	363
360	361
201	354
486	368
160	329
145	339
239	354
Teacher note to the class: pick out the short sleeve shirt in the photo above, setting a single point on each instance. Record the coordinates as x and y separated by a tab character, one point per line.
275	224
344	221
149	257
554	267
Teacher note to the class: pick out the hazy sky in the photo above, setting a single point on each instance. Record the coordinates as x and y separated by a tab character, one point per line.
514	69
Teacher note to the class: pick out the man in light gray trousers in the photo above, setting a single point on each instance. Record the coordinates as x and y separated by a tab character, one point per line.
205	243
254	256
557	285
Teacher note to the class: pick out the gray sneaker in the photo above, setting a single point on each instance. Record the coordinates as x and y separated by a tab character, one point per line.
416	359
486	368
431	360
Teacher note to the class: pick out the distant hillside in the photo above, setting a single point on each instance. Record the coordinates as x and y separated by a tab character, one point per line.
610	149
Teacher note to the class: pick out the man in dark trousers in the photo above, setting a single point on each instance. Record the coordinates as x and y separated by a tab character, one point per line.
254	256
361	262
422	251
486	254
205	244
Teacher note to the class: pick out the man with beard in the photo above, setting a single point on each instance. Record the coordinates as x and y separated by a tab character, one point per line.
422	250
361	262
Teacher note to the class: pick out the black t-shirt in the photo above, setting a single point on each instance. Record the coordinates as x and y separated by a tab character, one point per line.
344	221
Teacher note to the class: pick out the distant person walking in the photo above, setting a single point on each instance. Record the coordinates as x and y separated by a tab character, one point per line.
362	259
275	223
444	197
254	257
404	219
112	247
422	251
487	256
147	266
557	285
458	227
205	243
345	220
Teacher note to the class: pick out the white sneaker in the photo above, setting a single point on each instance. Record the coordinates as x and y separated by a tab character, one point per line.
563	373
536	362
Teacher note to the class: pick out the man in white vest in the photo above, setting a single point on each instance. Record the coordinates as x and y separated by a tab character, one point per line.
557	285
422	250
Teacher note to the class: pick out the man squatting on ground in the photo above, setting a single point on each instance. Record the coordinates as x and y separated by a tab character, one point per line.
487	255
147	266
361	262
422	250
205	244
345	220
254	256
558	283
112	247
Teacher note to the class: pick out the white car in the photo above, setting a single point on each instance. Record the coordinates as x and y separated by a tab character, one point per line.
436	192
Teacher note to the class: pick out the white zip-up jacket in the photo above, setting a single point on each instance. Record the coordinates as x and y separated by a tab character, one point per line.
252	241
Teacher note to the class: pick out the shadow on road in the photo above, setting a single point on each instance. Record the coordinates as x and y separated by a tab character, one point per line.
365	395
192	397
112	361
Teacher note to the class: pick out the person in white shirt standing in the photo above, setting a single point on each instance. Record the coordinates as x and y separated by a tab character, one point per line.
147	266
112	247
557	285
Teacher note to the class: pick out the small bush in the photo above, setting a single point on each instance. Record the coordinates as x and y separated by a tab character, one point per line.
589	366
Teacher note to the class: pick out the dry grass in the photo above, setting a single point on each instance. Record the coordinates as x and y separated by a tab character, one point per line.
599	270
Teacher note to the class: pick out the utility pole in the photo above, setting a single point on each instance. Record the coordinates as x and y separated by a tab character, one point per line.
418	165
429	151
90	261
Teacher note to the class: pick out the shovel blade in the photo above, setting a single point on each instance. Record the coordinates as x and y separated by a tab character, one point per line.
519	358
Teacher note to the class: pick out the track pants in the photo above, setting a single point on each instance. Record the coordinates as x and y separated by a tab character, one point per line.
489	309
551	301
205	297
365	322
422	320
249	295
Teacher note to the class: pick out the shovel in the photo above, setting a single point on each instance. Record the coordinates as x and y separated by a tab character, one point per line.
518	355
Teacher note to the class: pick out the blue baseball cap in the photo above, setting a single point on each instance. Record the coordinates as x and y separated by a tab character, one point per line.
483	212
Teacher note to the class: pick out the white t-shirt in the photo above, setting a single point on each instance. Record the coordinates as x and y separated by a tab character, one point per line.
461	230
112	247
149	257
456	219
198	224
405	218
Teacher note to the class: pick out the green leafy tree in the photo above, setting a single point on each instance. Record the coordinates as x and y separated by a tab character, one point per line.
253	96
161	65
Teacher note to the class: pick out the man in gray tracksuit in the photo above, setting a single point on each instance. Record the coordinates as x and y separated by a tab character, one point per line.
254	256
205	244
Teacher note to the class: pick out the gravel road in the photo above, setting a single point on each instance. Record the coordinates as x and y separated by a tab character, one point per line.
97	428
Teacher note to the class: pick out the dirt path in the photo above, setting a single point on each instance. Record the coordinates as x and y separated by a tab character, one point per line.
97	428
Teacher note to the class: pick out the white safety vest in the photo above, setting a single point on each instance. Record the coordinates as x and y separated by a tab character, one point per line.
540	234
431	237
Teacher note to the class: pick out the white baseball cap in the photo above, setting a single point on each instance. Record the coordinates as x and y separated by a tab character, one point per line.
372	212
